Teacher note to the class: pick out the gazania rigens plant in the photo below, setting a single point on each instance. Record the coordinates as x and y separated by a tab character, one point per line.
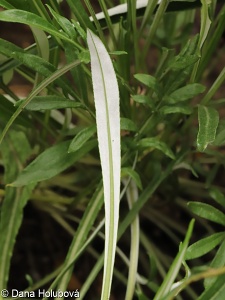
115	151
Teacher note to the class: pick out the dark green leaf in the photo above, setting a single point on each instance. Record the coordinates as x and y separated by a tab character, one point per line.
34	62
186	110
133	174
28	18
15	150
84	56
216	291
50	102
147	80
204	246
10	221
182	62
127	124
141	99
208	212
117	52
208	119
6	111
65	24
220	136
218	196
217	262
155	143
81	138
80	14
51	162
187	92
6	5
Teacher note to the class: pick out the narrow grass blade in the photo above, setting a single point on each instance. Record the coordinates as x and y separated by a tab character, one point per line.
28	18
175	267
11	210
132	196
106	95
34	93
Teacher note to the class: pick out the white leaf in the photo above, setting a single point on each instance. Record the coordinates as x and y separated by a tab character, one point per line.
121	8
106	96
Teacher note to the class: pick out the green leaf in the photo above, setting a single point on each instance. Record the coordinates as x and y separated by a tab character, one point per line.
106	97
50	102
51	162
133	174
84	56
208	119
204	246
6	5
34	62
10	221
187	92
81	138
141	99
42	42
65	24
132	197
6	110
208	212
127	124
34	93
118	53
80	30
11	212
155	143
85	225
147	80
217	262
186	110
80	14
28	18
182	62
216	291
220	135
175	267
217	195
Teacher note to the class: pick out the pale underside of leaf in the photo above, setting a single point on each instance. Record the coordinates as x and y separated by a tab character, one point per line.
106	96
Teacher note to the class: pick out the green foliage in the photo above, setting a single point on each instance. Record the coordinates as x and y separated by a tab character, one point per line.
145	75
